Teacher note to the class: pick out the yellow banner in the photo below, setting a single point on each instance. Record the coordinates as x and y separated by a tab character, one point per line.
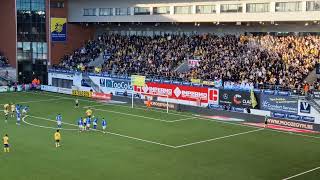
137	80
198	81
81	93
208	83
58	29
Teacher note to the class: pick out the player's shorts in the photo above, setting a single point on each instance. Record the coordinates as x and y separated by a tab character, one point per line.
57	140
6	145
266	122
13	111
95	124
104	127
80	126
59	123
77	104
6	113
18	119
24	111
88	125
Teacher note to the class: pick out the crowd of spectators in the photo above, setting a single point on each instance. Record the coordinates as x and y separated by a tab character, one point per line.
81	57
238	60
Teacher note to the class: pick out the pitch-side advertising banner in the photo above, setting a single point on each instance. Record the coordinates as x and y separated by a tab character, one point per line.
276	103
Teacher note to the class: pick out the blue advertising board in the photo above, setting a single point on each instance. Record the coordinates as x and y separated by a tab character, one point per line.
276	103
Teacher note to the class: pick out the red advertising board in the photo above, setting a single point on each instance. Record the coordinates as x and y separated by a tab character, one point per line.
101	96
180	92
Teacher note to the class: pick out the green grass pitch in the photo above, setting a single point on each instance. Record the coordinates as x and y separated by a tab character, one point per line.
149	145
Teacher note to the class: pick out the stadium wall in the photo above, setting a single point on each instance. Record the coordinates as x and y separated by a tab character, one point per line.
77	6
8	31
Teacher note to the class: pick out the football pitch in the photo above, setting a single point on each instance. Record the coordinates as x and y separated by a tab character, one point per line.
142	144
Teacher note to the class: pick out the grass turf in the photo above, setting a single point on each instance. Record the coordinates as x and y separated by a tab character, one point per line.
145	145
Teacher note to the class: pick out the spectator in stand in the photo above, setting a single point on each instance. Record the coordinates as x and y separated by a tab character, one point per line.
3	61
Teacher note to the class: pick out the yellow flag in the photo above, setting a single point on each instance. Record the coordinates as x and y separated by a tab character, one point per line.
254	102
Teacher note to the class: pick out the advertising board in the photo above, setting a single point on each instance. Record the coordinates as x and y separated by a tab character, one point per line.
81	93
276	103
238	99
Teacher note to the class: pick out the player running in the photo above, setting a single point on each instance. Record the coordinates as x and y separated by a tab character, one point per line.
77	103
95	123
104	125
59	121
88	123
6	108
57	138
6	143
80	125
13	109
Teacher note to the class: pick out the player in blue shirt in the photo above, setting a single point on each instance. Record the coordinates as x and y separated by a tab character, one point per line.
25	110
18	107
59	120
80	124
18	118
95	123
88	122
104	125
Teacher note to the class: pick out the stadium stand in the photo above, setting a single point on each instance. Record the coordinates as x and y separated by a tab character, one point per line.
283	61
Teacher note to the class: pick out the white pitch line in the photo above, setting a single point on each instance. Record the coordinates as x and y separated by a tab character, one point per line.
24	102
222	137
305	172
103	104
46	127
178	120
112	133
134	115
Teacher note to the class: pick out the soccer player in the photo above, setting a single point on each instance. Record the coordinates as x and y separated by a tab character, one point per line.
6	143
148	104
57	138
6	111
13	109
95	123
80	124
77	103
89	113
18	118
104	125
59	120
266	121
25	110
88	122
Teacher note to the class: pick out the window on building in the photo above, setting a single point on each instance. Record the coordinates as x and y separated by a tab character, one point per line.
122	11
231	8
257	7
161	10
141	11
206	9
313	5
288	6
105	12
56	4
31	5
89	12
182	10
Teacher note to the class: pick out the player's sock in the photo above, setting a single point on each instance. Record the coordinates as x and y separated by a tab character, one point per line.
8	149
4	149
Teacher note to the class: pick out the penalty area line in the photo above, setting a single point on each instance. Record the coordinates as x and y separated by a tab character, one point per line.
305	172
112	133
45	127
